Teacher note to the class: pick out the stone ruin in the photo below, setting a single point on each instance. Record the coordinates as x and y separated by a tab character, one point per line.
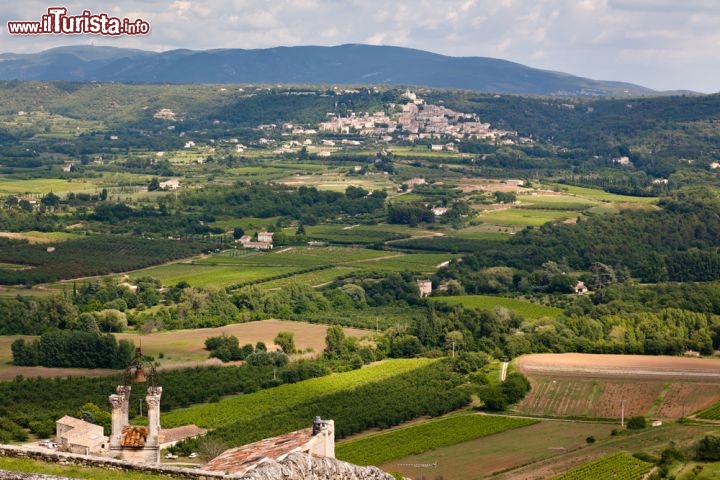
135	443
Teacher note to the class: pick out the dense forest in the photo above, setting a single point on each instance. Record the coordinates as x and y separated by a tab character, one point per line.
677	242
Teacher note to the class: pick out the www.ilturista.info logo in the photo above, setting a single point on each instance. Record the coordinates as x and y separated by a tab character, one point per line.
57	21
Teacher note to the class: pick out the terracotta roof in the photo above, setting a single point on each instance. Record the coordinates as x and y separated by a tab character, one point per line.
134	436
168	435
243	459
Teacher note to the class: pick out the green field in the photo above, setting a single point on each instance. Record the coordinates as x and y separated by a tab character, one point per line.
315	278
45	237
489	302
407	197
600	195
483	232
303	257
484	457
264	402
43	186
414	262
352	234
524	217
348	258
620	466
710	471
208	275
555	202
338	182
385	446
712	413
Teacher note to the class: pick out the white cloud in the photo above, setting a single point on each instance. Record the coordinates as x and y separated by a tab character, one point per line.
659	43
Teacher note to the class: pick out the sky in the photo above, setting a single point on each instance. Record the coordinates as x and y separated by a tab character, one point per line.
659	44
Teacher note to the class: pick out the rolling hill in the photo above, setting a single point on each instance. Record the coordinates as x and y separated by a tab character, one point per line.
344	64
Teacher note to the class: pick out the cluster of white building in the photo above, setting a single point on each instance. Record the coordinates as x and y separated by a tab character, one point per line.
416	121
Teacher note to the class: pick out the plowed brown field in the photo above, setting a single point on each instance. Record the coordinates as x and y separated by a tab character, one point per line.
586	385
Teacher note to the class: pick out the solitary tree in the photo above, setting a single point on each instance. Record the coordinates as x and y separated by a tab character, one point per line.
286	342
335	345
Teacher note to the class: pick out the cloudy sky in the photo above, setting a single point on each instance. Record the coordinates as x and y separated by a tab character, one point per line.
661	44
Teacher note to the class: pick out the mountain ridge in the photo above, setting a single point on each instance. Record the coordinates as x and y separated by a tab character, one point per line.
348	64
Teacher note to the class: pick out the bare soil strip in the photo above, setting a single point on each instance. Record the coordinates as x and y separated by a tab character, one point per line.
628	366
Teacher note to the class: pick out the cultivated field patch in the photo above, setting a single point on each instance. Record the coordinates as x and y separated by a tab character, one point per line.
185	348
586	385
263	402
620	466
489	302
42	186
524	217
208	275
396	443
486	456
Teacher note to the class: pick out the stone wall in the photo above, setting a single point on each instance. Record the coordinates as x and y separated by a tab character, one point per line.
296	466
5	475
300	466
51	456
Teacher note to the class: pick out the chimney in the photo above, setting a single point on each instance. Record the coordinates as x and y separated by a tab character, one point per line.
323	442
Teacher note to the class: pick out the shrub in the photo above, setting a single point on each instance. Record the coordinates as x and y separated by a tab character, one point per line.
493	398
515	387
637	423
708	449
42	429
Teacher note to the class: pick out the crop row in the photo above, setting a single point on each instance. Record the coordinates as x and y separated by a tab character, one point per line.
262	403
431	390
416	439
355	235
88	256
619	466
712	413
278	277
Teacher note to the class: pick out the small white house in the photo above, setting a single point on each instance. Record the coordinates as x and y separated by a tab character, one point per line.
425	287
170	185
265	237
438	211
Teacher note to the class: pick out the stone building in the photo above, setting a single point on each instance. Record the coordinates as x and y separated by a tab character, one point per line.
304	454
78	436
425	287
